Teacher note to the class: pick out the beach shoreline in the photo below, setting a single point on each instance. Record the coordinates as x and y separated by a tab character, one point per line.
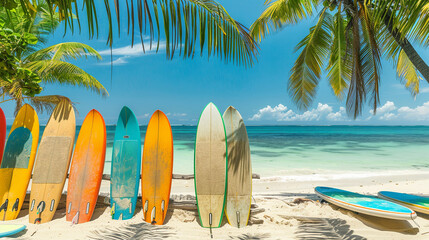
282	210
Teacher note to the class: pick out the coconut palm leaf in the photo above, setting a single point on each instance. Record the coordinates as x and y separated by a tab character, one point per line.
64	52
356	94
47	103
339	62
408	73
402	15
280	13
370	57
56	71
421	30
305	74
405	69
187	24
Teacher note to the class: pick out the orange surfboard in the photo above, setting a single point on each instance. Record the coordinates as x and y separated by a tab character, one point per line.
157	168
87	169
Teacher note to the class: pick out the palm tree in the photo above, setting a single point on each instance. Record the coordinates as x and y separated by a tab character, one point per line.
187	25
348	40
26	64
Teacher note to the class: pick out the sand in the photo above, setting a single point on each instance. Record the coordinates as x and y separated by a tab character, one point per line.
281	210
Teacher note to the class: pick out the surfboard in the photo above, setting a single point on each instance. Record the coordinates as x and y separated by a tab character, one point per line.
9	230
17	163
414	202
125	169
365	204
2	133
52	163
157	168
210	167
239	190
86	169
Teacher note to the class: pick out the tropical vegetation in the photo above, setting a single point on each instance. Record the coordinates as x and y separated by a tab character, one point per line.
349	40
186	25
25	65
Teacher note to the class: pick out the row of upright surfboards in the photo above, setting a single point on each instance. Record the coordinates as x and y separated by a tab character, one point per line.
222	166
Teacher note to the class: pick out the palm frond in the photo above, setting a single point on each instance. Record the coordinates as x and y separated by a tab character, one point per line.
305	74
280	13
370	56
46	103
402	15
187	24
55	71
63	52
44	24
356	94
421	30
339	65
408	73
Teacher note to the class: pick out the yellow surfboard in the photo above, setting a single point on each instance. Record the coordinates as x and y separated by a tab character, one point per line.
157	168
17	163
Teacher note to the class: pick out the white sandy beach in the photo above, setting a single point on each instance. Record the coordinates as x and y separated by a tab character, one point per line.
281	206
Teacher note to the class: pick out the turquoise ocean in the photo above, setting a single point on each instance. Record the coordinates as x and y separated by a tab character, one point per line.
301	153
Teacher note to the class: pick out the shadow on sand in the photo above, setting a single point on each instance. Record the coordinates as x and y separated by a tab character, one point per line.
323	228
132	231
252	236
382	224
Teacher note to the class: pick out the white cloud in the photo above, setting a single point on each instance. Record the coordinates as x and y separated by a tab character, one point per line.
124	53
177	114
390	112
385	112
281	113
419	113
118	61
424	90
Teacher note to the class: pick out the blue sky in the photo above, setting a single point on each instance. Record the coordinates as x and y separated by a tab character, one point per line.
182	88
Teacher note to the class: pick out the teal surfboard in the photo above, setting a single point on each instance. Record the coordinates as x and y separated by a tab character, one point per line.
9	230
365	204
414	202
126	165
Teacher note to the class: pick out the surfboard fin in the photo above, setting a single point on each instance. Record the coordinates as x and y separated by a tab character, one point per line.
75	219
153	215
41	207
163	209
210	223
4	205
112	211
15	205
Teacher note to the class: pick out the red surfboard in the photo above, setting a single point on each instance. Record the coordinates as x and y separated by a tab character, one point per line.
2	133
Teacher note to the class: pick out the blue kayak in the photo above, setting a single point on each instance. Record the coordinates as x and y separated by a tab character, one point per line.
365	204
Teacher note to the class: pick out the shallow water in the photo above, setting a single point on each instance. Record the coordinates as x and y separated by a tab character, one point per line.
315	152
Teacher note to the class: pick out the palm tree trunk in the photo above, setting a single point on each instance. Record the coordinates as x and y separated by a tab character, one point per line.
409	50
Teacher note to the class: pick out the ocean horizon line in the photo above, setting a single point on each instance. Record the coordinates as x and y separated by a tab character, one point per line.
291	125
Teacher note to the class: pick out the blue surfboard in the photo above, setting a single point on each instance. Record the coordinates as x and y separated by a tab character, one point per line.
126	165
417	203
365	204
9	230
